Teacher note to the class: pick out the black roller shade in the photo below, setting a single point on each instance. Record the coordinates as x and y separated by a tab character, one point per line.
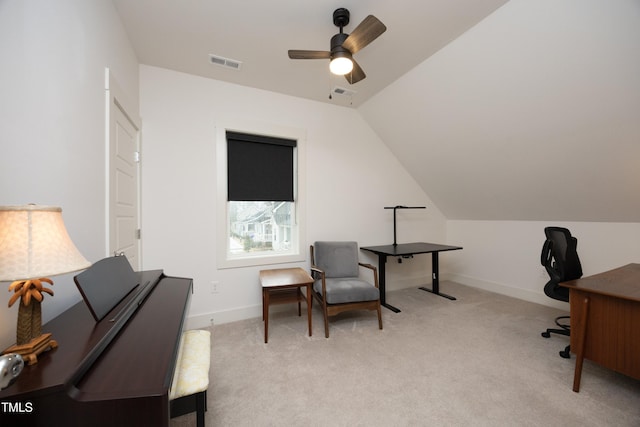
259	168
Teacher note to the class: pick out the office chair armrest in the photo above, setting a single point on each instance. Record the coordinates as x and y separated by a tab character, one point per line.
546	256
372	268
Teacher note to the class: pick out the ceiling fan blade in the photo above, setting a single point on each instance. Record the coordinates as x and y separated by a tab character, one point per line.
368	30
309	54
356	74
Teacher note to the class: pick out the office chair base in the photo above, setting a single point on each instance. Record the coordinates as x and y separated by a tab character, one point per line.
563	325
566	353
550	331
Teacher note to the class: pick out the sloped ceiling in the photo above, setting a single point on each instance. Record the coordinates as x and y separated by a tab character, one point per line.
518	110
533	114
180	35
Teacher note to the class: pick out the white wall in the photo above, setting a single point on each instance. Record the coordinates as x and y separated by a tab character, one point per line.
504	256
52	126
531	118
351	177
531	115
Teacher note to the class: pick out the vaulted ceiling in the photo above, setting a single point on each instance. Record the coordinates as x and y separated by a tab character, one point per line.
519	110
180	35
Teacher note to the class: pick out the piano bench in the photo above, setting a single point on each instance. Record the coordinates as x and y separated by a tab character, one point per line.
191	377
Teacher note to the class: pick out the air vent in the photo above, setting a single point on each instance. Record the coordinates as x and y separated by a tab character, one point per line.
337	90
225	62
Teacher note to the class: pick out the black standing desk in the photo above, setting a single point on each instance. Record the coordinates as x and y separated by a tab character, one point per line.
405	250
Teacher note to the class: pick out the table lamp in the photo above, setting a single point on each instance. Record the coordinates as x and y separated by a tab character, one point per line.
34	243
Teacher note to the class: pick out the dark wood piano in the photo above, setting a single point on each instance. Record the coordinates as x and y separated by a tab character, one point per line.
113	372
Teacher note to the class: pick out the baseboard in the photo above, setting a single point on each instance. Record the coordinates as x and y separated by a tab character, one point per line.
205	320
523	294
227	316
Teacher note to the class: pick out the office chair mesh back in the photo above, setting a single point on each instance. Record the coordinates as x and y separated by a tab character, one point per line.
560	259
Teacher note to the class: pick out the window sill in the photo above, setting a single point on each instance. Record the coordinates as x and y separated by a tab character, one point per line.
259	260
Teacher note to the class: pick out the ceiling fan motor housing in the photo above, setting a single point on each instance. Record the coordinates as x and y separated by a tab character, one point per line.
336	43
341	17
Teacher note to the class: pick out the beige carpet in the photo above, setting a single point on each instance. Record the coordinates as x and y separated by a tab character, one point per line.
477	361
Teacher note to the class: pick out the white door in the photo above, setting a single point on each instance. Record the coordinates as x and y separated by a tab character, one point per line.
124	178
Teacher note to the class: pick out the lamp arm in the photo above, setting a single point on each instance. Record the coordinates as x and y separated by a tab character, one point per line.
395	208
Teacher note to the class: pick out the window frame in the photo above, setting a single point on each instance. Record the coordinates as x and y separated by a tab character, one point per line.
224	258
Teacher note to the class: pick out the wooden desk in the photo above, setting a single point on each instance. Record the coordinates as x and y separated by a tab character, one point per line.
282	286
407	250
605	315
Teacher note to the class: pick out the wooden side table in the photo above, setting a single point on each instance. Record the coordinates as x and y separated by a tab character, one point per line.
282	286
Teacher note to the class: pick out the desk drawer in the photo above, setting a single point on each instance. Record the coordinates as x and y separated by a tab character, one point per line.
612	337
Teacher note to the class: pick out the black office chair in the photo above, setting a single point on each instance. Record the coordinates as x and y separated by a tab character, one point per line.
560	259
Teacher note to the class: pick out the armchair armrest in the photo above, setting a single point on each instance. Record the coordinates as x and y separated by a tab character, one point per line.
317	270
372	268
320	272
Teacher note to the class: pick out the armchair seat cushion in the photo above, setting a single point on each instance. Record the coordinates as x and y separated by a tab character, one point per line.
347	289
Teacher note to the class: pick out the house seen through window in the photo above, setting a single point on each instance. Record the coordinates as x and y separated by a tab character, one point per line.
260	227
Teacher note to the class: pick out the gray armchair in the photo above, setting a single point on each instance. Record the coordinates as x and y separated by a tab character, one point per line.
337	286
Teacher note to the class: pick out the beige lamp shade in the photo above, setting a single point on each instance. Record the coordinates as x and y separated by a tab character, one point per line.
34	243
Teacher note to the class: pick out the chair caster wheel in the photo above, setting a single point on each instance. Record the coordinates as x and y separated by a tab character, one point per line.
545	334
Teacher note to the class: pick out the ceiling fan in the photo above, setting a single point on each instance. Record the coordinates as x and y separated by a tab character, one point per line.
344	46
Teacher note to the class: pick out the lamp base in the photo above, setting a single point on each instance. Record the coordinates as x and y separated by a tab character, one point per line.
33	348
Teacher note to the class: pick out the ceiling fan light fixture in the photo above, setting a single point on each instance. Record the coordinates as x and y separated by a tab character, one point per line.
343	46
341	64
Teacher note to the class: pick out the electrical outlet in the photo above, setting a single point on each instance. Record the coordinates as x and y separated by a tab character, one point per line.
215	286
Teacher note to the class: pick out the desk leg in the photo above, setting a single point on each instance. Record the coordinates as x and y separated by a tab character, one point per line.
382	262
581	339
435	287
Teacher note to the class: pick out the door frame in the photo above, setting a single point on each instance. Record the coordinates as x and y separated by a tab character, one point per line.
115	97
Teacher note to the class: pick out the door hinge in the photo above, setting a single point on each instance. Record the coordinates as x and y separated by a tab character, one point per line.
136	156
138	233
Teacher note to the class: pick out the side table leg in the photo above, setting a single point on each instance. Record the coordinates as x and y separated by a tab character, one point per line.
265	313
309	303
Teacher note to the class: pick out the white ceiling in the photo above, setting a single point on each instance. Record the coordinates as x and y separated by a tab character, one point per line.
531	112
180	35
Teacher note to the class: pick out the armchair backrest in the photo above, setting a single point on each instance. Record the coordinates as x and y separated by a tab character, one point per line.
337	259
559	255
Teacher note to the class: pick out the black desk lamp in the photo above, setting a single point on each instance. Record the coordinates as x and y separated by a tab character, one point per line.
395	208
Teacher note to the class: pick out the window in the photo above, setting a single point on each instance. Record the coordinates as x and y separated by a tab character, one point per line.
259	188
